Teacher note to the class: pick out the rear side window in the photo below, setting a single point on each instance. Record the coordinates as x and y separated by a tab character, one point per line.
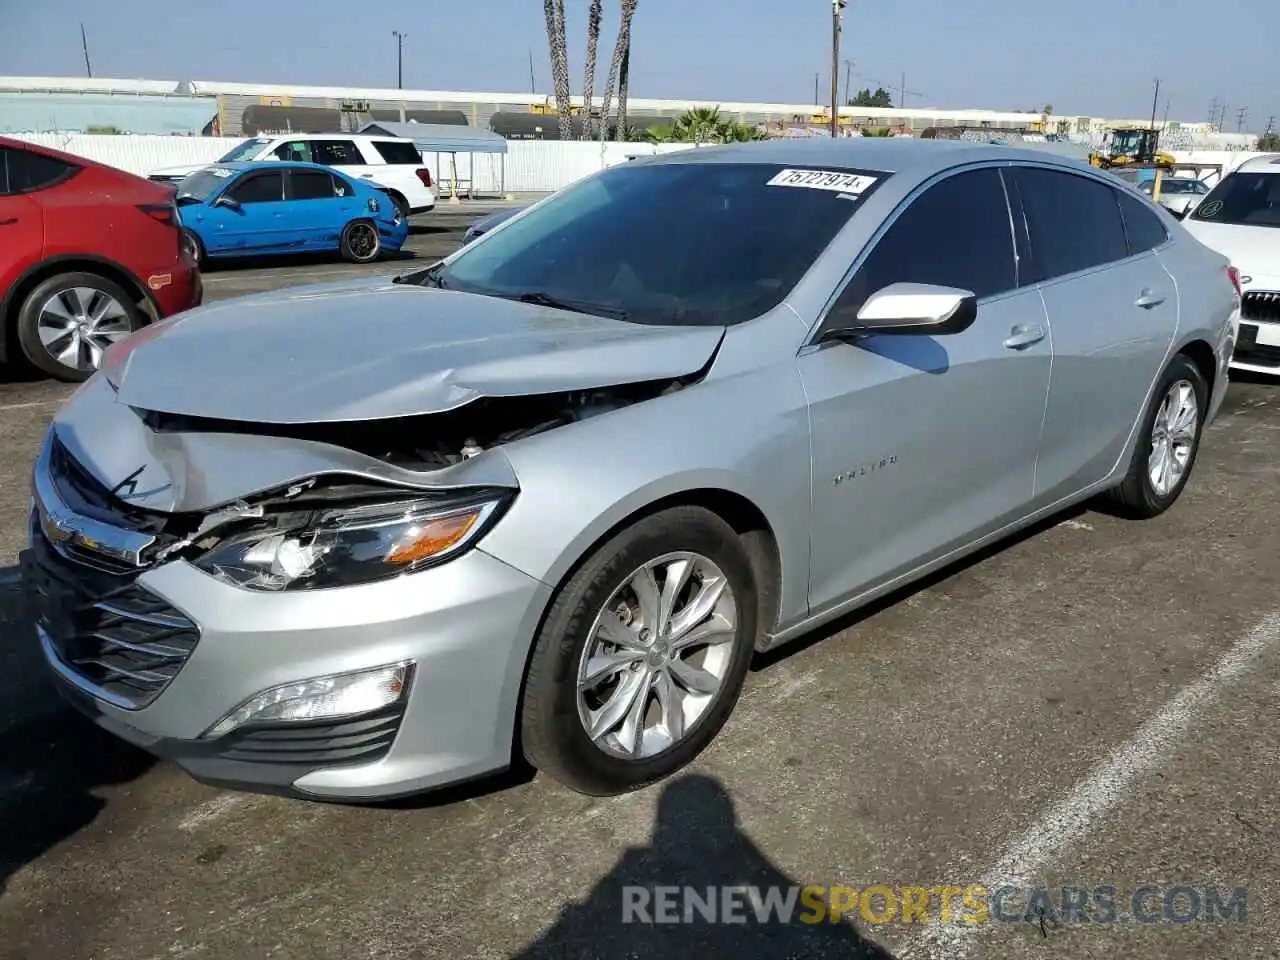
310	185
955	234
259	188
397	151
27	172
333	153
1245	199
1074	222
1141	225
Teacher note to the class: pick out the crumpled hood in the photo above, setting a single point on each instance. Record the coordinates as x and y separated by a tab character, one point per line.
373	349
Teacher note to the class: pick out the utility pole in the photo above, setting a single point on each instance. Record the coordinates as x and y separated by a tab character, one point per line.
399	58
902	92
1240	115
817	100
1155	100
532	86
848	68
837	18
84	44
1166	114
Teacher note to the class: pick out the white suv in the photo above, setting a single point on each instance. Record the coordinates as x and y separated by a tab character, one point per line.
1240	218
392	163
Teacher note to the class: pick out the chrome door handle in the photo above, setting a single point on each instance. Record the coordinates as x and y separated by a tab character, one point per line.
1148	299
1021	337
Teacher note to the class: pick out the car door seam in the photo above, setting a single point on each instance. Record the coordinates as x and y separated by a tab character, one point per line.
1048	392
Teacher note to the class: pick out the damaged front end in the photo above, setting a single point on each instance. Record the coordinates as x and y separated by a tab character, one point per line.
273	507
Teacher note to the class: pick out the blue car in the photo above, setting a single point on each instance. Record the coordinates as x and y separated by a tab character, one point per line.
245	209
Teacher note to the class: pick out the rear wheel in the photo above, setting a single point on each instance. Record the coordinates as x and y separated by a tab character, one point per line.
642	655
360	243
1168	442
68	321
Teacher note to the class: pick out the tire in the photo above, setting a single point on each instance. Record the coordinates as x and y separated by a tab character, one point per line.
360	242
402	205
69	301
1138	496
554	715
191	242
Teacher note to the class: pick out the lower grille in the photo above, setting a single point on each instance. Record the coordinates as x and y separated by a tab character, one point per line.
117	636
1249	350
1260	305
361	740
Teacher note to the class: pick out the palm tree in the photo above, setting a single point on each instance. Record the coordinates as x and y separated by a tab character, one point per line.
553	10
615	67
620	128
594	14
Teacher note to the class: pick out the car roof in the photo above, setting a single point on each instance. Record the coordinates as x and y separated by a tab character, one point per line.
1267	163
337	134
242	165
885	154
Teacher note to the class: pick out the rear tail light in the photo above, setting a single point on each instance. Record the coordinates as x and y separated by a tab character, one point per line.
165	213
424	175
1234	276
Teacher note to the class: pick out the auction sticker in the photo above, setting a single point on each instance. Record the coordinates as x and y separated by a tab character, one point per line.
833	180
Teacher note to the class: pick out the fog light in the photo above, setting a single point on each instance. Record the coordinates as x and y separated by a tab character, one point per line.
334	697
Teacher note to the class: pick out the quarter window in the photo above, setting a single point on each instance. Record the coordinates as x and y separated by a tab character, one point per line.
398	151
259	188
1141	225
955	234
336	153
1074	222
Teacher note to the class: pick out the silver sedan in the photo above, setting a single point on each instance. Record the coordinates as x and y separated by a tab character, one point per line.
546	498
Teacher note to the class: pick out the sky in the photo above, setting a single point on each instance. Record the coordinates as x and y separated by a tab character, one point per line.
1087	56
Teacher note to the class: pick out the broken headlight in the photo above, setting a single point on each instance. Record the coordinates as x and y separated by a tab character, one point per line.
344	547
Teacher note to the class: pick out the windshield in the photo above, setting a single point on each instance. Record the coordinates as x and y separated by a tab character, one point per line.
203	183
1182	186
1244	199
245	151
697	244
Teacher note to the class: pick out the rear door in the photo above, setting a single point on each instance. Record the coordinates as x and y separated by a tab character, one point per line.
259	224
21	217
922	444
1113	312
314	208
343	155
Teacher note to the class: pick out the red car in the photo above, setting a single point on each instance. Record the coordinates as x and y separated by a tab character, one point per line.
88	254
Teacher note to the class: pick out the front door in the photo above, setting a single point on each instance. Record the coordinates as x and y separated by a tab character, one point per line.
920	443
257	224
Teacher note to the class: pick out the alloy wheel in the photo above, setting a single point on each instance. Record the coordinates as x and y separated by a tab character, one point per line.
1173	437
362	239
657	655
77	325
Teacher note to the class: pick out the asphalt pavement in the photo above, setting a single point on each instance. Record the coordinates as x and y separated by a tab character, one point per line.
1092	705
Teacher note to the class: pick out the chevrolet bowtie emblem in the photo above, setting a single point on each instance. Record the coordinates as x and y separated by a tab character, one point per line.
55	531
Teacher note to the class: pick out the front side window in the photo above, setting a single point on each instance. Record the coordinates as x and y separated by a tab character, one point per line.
295	151
697	244
1243	199
247	150
955	234
259	188
336	153
1074	222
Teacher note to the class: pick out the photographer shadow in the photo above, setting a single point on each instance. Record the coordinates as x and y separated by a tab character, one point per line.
696	844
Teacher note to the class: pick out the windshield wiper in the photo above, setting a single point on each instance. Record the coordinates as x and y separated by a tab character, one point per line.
543	299
429	277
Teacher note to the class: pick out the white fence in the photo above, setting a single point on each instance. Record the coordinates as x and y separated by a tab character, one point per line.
530	166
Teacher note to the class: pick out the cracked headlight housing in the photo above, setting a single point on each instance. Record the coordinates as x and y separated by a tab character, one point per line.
350	546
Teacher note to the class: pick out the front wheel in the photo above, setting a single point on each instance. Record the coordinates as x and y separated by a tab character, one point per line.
191	243
67	323
642	655
1168	442
360	243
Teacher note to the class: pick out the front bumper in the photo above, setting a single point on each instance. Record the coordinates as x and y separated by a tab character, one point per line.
1257	348
466	627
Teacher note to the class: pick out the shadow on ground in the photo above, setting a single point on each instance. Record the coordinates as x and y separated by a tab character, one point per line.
229	265
51	758
696	844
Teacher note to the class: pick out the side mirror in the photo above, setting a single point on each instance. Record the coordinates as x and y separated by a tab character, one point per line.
228	202
919	309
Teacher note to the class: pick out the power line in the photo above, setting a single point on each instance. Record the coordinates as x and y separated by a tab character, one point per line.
1240	118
